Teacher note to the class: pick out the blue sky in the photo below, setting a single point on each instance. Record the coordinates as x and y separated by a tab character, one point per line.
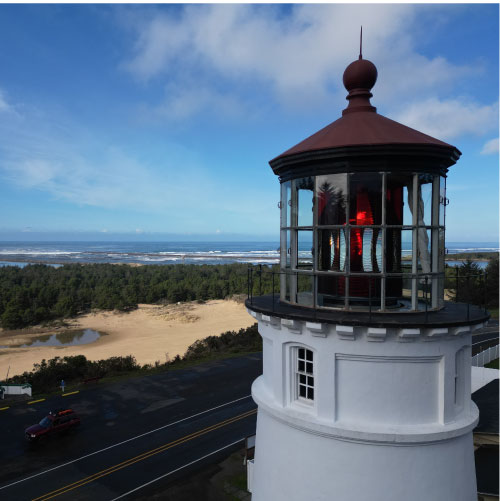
158	121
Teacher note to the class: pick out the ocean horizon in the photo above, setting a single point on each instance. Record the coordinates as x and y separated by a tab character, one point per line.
260	252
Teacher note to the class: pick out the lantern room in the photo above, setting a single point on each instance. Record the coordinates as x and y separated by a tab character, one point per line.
363	210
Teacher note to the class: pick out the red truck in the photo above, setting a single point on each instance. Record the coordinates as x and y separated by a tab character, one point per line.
54	423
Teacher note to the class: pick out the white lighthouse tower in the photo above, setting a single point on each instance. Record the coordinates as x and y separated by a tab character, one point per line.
365	392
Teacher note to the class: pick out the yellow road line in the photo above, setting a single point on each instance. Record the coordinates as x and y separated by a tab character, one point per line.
35	401
140	457
4	408
70	393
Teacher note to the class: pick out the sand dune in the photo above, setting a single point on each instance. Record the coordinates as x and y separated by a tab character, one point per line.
149	333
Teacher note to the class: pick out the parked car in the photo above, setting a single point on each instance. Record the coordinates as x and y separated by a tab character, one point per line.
54	423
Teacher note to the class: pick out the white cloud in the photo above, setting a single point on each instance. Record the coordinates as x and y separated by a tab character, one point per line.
298	56
491	147
184	101
451	118
40	153
5	107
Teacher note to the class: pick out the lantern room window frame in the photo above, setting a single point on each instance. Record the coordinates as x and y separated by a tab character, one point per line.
302	274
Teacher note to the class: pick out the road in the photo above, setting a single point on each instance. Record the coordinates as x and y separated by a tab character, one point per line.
485	337
135	435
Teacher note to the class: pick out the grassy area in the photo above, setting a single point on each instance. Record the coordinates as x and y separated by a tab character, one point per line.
493	364
480	256
493	312
239	481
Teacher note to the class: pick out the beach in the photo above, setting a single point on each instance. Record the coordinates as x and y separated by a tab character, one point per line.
150	333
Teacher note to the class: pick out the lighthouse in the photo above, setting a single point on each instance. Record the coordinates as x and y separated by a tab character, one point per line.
365	391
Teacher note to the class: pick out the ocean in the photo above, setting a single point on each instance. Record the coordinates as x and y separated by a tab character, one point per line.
57	253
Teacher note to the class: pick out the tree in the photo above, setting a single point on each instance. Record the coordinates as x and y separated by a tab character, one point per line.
492	283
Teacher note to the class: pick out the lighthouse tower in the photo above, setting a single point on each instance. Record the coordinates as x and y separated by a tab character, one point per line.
365	391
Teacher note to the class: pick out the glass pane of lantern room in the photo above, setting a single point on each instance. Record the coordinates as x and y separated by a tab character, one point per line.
425	199
285	249
305	197
398	292
398	255
365	198
305	249
305	289
332	248
424	284
331	291
398	208
366	250
331	199
398	250
285	206
424	261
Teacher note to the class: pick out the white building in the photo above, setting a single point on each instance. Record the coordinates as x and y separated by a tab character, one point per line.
365	392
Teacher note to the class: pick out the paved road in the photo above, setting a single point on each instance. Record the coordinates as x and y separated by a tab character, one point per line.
485	337
132	433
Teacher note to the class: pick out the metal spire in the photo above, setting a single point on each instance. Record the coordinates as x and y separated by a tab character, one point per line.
361	44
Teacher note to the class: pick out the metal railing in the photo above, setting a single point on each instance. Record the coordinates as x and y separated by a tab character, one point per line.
470	290
485	356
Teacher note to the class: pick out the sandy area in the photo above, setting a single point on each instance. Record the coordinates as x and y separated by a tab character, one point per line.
149	333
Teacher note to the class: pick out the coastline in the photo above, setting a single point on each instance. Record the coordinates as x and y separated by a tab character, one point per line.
149	333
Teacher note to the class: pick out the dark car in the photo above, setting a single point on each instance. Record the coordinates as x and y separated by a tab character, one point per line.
54	423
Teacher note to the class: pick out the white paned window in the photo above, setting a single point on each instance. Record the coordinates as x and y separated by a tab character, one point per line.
304	374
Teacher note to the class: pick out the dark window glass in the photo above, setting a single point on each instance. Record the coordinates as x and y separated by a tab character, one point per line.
305	249
302	353
331	199
310	381
332	250
398	199
302	391
310	393
303	379
331	291
46	422
398	250
302	366
365	199
309	355
364	291
309	367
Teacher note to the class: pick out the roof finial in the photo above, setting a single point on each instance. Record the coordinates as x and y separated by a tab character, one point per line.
361	44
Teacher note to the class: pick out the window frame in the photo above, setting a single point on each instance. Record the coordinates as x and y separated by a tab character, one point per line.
298	374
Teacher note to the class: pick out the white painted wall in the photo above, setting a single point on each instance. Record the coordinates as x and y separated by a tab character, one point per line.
392	416
17	389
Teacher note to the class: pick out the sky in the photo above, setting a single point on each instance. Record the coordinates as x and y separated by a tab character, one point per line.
157	122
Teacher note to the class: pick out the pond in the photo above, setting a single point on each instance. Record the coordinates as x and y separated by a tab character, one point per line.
67	338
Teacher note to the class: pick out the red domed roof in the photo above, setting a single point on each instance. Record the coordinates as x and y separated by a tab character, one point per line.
363	128
360	124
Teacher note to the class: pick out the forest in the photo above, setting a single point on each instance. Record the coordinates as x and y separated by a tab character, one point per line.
38	293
